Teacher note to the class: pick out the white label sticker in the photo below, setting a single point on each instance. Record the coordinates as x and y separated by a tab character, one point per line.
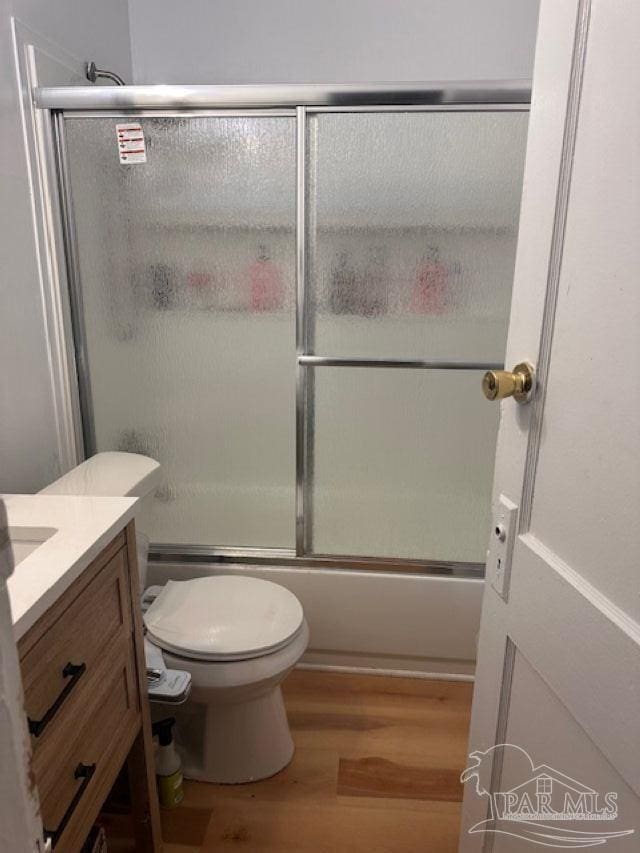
131	148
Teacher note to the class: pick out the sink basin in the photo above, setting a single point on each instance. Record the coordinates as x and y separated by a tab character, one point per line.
25	540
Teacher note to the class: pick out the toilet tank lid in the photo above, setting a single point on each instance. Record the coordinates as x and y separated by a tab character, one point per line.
109	474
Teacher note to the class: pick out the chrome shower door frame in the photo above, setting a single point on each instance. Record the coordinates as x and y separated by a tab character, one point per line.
274	101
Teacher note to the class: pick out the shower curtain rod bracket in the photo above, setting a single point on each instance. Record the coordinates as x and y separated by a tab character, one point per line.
93	73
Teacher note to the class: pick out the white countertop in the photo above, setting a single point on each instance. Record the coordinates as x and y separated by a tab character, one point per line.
83	527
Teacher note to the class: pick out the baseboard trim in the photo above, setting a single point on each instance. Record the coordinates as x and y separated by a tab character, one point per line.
393	673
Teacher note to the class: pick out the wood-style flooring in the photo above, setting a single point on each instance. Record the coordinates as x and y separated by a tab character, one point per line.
376	770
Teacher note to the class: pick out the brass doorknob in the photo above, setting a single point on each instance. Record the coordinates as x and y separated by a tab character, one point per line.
517	383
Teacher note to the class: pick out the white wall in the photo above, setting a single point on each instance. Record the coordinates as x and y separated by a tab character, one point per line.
273	41
91	29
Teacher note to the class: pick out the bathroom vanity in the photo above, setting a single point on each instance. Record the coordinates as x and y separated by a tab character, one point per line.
74	597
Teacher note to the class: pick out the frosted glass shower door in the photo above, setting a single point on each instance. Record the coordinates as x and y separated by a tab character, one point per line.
412	228
403	461
186	282
411	235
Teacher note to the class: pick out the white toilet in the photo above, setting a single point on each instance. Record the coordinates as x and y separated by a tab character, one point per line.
238	637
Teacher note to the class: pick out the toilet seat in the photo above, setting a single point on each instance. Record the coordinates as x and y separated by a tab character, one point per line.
224	618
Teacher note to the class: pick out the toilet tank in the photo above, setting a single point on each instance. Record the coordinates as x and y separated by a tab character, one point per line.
113	474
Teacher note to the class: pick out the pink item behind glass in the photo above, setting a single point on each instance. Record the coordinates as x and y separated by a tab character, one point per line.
430	289
265	286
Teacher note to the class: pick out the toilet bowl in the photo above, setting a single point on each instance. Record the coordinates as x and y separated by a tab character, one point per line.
238	637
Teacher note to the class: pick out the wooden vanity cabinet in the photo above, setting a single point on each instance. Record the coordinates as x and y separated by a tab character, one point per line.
85	692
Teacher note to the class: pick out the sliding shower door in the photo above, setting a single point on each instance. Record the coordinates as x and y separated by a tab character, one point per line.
291	311
411	236
186	296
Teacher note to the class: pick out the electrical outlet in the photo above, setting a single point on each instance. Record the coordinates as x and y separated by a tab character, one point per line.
503	534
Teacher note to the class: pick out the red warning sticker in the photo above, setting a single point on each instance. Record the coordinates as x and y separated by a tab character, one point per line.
131	147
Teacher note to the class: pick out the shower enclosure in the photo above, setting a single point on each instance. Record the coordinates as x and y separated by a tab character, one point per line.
289	302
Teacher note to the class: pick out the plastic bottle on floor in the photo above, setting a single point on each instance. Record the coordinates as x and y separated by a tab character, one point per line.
168	765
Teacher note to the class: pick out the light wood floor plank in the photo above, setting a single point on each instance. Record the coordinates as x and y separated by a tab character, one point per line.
376	770
348	714
379	777
312	775
257	827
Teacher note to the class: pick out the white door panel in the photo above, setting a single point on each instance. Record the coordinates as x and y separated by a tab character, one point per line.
585	648
574	753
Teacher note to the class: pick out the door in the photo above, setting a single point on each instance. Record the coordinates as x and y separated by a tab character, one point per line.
555	736
410	239
185	314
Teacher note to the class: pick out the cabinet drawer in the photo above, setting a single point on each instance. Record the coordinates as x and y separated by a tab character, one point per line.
60	668
74	775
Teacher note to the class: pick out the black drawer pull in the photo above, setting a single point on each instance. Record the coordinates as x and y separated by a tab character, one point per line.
84	772
71	671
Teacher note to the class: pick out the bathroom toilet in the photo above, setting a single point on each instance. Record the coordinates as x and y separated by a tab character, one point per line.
238	637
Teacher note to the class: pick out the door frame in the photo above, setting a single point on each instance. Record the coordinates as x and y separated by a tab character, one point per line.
32	53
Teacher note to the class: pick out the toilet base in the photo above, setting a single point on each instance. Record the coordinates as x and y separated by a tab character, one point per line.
233	728
234	743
